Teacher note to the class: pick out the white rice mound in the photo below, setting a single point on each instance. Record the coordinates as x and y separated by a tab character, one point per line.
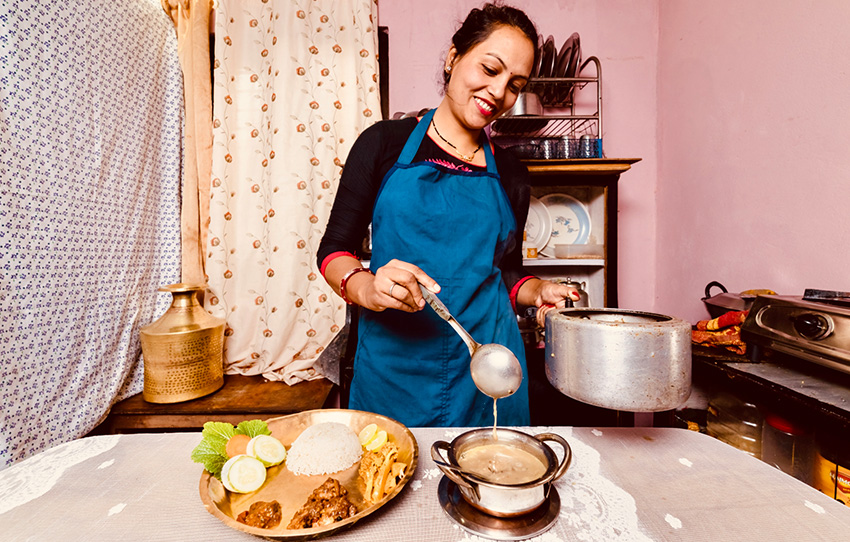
324	448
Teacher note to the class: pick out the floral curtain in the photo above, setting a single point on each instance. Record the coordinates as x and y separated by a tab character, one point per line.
295	82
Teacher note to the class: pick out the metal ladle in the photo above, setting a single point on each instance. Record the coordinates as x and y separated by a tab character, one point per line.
495	369
459	470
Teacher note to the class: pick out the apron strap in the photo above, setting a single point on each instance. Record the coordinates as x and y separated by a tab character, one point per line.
488	156
415	139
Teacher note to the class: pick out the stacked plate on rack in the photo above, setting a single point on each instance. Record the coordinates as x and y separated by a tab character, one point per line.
556	219
554	63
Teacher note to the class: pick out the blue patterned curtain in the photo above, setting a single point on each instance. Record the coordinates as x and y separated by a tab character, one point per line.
91	113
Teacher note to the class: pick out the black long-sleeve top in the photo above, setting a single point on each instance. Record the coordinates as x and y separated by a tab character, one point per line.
371	157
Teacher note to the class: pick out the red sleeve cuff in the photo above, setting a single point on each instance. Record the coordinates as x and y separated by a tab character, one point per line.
515	289
330	257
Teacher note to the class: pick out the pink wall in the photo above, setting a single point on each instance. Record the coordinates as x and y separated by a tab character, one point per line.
754	154
738	111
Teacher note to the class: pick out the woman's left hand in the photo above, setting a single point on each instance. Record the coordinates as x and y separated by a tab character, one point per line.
552	295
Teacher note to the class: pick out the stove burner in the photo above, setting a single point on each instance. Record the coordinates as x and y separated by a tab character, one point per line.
816	329
477	522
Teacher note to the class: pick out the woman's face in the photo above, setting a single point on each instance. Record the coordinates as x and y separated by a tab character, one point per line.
486	81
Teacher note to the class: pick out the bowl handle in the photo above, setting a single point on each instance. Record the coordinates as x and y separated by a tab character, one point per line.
439	459
568	453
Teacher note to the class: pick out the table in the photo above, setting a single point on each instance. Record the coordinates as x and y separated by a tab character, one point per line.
625	483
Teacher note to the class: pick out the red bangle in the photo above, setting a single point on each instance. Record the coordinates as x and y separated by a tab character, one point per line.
344	282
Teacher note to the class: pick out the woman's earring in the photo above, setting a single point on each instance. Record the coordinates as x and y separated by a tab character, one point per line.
448	69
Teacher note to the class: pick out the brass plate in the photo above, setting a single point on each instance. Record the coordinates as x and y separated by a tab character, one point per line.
292	491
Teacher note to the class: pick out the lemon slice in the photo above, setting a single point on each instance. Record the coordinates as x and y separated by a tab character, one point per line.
367	434
267	449
377	441
243	474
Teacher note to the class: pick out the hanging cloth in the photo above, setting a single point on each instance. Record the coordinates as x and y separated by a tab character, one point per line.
192	22
295	84
455	225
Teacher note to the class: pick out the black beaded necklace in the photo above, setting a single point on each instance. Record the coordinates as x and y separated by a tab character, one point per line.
465	157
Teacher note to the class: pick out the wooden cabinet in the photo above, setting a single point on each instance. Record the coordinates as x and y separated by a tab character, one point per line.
593	182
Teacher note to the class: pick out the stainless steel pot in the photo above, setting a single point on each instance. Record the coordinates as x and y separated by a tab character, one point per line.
527	103
619	359
503	500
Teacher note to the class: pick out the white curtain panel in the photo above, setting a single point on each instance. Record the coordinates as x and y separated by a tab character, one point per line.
295	82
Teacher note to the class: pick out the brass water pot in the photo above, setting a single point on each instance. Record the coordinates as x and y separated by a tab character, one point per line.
183	350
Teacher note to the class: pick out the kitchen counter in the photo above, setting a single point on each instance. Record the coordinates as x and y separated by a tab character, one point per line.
636	484
818	394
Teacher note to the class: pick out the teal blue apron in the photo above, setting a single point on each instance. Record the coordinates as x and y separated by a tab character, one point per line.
455	225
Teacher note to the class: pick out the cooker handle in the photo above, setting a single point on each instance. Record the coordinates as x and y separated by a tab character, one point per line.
441	460
531	312
568	453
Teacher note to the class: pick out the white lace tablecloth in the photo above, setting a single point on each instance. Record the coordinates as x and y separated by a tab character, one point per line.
634	484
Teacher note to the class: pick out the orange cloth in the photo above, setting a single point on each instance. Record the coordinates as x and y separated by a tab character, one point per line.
732	318
192	21
722	332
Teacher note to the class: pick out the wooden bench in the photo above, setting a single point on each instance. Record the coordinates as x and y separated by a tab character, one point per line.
241	398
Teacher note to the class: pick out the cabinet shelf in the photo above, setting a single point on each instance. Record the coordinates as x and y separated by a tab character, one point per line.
580	166
564	262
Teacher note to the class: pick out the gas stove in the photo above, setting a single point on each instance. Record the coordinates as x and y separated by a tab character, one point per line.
814	327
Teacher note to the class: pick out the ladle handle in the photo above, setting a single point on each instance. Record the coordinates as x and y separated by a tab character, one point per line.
443	312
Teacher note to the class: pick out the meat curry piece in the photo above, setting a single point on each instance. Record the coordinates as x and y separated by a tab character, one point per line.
327	504
265	515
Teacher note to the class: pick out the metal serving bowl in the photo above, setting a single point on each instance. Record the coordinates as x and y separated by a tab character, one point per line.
503	500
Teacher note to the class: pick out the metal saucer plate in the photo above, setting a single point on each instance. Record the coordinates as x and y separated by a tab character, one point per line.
478	523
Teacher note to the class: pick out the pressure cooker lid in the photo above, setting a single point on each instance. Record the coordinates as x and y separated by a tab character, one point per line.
614	316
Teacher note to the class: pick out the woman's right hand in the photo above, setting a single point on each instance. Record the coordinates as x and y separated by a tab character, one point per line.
396	286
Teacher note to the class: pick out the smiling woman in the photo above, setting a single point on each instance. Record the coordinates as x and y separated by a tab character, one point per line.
464	241
483	83
491	76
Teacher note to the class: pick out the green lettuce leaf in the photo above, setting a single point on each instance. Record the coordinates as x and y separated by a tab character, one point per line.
211	450
218	433
252	428
209	455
